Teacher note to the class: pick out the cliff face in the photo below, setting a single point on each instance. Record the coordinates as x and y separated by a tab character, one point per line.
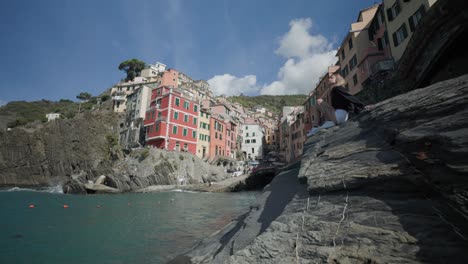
50	153
389	186
72	152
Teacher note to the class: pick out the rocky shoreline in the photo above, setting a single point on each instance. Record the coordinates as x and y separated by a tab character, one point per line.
389	186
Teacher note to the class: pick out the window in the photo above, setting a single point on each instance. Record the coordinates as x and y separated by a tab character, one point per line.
355	79
253	150
352	63
176	115
253	134
220	136
195	120
400	35
159	114
254	141
246	134
177	101
414	20
186	118
194	134
184	132
195	108
157	127
345	71
342	54
393	11
247	141
185	146
216	134
208	138
174	130
186	105
246	127
350	43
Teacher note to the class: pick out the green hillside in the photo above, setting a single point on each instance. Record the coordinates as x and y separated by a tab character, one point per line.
18	113
271	102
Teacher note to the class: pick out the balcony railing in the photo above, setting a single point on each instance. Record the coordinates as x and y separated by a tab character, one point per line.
118	98
383	65
161	119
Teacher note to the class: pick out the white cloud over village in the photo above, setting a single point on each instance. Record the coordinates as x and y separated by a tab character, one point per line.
307	58
230	85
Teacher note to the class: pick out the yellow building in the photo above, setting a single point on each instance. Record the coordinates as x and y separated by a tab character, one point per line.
402	18
203	143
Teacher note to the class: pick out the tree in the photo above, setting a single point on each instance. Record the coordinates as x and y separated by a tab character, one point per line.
84	96
132	67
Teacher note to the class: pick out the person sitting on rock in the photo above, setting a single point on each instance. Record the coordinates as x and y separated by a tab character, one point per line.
342	104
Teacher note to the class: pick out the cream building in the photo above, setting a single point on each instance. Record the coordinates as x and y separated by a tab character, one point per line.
402	18
131	130
203	142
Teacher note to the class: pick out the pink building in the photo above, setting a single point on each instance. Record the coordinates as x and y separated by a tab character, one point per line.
170	78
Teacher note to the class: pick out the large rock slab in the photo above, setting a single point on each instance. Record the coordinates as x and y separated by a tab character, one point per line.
389	186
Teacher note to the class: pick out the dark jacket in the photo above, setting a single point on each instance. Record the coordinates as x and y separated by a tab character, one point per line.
341	99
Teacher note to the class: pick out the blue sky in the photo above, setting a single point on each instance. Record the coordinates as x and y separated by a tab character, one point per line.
55	49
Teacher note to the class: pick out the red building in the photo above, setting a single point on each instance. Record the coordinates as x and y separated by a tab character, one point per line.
171	121
218	136
231	137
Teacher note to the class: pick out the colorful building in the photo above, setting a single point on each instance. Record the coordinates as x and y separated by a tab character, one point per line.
402	18
217	136
355	48
203	143
172	121
253	133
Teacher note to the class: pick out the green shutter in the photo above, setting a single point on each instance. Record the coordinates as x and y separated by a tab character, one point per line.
177	101
174	130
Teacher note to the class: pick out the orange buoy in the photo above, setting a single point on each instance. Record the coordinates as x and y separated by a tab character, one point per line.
31	206
65	206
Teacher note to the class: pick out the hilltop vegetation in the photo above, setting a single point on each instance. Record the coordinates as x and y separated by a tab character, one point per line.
272	102
20	113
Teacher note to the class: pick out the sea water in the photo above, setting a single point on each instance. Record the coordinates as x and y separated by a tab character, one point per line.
50	227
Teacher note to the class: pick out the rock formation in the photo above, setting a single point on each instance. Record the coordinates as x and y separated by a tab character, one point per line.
74	152
389	186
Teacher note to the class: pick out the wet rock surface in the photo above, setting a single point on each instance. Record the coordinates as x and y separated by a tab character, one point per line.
389	186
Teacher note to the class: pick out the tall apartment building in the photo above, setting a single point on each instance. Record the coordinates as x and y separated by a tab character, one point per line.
402	18
355	48
120	92
203	143
253	133
131	130
172	121
217	136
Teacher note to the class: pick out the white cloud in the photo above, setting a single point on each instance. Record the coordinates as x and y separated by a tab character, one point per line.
308	57
231	85
298	76
2	103
297	42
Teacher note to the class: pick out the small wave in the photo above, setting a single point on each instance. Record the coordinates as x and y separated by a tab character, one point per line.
186	191
51	189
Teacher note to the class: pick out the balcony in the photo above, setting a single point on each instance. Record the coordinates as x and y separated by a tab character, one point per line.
381	66
118	98
160	119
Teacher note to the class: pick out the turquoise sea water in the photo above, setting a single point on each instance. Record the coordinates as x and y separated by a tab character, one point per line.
124	228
